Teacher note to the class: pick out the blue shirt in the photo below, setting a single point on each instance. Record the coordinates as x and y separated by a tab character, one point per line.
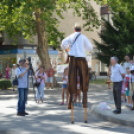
117	72
23	81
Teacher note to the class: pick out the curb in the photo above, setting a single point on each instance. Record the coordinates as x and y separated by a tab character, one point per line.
112	118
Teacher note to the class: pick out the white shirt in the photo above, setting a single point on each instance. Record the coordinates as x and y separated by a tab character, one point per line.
117	72
78	48
128	75
131	75
14	72
23	81
65	81
126	65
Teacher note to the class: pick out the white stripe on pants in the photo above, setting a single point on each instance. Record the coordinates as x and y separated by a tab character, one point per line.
40	92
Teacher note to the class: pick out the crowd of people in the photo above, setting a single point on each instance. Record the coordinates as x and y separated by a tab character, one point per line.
75	77
21	72
122	77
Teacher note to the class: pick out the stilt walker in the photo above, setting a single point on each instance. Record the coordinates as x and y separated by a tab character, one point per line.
77	44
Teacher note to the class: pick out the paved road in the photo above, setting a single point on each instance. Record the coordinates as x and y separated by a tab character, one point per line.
51	118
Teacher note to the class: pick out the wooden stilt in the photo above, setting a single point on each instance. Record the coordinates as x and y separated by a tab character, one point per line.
72	114
85	114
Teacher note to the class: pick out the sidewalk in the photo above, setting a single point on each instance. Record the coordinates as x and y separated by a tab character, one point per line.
126	118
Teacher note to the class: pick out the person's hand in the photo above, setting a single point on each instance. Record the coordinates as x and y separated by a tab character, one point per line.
28	67
67	50
41	77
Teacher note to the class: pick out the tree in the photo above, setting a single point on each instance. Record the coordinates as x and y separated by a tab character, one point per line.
117	38
40	17
118	5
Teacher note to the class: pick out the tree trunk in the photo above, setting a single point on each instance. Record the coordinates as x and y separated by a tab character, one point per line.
42	49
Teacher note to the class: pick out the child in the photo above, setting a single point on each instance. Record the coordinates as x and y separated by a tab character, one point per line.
64	86
78	91
123	96
127	80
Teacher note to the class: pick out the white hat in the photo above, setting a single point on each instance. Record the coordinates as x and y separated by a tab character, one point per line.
14	64
77	25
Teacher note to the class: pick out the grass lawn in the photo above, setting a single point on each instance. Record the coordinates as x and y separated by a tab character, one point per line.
98	81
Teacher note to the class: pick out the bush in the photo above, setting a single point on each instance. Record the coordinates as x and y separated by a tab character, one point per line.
4	84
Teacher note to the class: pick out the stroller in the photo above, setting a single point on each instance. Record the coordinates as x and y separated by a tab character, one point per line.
92	75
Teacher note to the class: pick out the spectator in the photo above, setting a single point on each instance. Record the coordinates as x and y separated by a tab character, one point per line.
127	81
22	74
117	76
41	78
127	63
8	70
78	92
132	82
13	74
50	73
64	86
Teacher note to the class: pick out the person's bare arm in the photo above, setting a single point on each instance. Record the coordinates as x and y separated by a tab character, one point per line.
42	77
108	73
123	75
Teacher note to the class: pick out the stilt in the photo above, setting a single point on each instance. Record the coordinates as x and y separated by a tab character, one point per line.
85	114
72	114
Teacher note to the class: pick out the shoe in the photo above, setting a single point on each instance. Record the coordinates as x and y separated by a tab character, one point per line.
123	101
79	104
13	89
129	105
117	111
114	111
25	113
75	104
20	114
62	103
132	108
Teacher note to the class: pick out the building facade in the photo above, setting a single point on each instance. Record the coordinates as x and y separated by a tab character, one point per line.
67	26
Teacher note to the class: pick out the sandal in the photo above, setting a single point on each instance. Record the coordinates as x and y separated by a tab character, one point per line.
62	103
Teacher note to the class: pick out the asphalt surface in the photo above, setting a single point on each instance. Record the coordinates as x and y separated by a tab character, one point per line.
52	118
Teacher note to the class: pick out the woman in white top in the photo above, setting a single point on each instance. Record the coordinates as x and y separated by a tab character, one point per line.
13	74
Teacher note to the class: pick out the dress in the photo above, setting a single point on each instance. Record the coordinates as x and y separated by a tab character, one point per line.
7	73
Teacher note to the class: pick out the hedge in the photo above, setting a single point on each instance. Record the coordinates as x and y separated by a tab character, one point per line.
4	84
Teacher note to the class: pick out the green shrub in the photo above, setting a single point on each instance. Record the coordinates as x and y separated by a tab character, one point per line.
4	84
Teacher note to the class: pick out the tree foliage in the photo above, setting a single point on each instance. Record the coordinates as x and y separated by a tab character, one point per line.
18	16
117	39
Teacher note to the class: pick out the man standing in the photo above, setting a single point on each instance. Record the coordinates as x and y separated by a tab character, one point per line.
50	73
127	64
118	73
22	74
77	43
